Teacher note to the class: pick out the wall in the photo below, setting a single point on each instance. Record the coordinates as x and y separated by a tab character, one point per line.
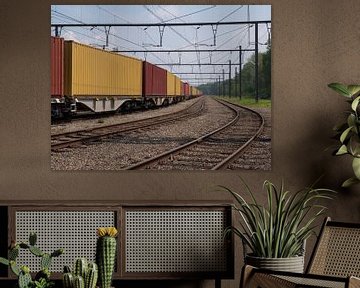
314	43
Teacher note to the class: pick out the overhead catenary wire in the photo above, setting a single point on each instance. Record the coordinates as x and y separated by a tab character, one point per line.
229	36
116	36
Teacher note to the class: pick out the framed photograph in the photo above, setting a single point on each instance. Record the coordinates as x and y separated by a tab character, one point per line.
161	87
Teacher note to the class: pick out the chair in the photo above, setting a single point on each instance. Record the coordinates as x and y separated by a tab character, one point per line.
335	262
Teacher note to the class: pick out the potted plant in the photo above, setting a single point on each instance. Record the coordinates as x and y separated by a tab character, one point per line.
84	274
276	233
42	278
349	131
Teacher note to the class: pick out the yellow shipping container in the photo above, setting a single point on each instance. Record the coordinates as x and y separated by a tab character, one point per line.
171	87
177	86
93	72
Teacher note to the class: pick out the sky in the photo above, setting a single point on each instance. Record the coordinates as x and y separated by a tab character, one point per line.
176	37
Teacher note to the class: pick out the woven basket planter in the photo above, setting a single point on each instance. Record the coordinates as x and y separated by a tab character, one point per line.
291	264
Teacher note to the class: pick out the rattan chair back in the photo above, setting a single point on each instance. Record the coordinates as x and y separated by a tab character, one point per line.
337	252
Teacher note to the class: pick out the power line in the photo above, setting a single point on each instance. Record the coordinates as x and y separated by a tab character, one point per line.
237	9
158	17
190	14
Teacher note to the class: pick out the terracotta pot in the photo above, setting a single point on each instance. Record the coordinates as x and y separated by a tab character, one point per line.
291	264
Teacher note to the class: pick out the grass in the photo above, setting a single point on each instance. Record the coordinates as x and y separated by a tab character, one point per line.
247	101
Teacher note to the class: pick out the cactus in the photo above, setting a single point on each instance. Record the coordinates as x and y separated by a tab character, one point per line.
36	251
4	261
105	255
80	268
14	268
13	253
91	276
87	272
57	252
45	261
24	277
43	274
79	282
42	278
68	280
32	238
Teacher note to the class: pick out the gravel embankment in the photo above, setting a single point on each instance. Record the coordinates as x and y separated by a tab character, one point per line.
123	150
258	155
79	124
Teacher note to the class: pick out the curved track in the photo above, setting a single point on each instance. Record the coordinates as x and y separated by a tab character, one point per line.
214	150
79	137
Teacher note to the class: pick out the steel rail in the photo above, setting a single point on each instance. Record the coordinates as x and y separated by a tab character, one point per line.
222	164
241	149
134	125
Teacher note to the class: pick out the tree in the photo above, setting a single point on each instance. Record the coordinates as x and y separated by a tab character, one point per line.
248	78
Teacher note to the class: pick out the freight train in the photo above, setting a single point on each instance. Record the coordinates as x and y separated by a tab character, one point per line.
87	79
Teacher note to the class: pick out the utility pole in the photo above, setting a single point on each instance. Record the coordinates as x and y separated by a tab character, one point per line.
256	63
223	74
236	92
230	78
240	64
219	85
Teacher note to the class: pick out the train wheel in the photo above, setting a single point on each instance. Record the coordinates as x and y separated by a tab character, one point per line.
165	103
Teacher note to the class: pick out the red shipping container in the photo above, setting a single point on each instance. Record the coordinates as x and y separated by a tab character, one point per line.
57	67
154	80
182	88
186	89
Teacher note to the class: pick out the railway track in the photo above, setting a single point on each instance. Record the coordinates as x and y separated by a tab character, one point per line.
214	150
80	137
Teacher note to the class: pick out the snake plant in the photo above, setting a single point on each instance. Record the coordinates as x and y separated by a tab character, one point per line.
280	228
349	131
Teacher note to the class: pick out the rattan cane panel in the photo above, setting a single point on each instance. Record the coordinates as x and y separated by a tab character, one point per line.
312	282
175	241
75	231
338	253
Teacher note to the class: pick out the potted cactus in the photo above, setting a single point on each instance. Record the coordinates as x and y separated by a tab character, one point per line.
84	275
42	278
106	254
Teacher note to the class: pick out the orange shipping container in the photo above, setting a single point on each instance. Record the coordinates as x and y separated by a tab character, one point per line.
93	72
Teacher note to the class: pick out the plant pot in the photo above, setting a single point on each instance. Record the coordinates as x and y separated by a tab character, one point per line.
291	264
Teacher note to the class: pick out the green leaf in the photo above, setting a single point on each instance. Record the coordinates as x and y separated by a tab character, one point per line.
351	120
354	145
340	88
356	167
355	103
345	134
349	182
342	150
4	261
353	89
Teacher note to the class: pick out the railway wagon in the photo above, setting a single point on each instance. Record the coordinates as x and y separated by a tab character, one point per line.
154	85
99	80
57	67
194	91
173	89
84	78
186	90
59	105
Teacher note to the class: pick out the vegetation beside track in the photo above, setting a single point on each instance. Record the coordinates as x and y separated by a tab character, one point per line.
247	101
